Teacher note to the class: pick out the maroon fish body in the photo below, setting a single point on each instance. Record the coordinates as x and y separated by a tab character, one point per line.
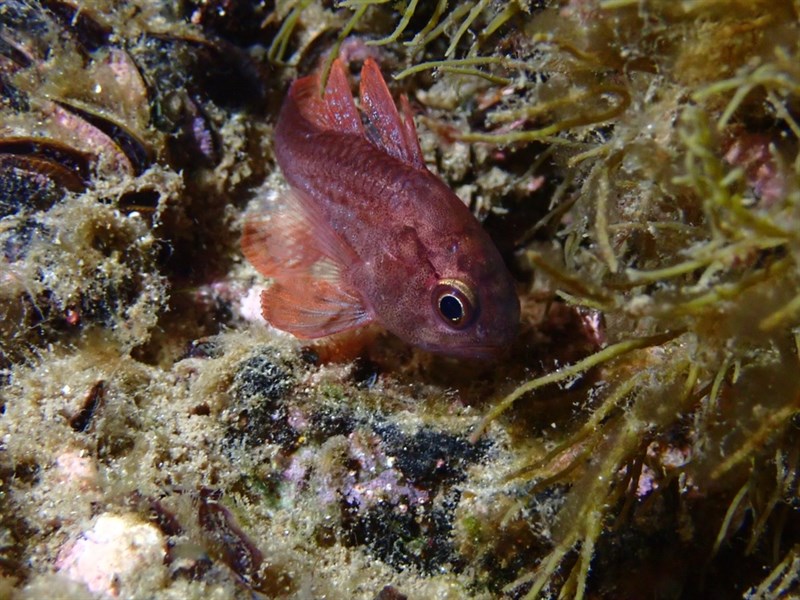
375	235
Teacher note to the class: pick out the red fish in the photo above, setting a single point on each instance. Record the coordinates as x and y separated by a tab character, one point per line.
367	233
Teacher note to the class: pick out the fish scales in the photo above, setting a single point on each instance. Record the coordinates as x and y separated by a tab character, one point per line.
398	246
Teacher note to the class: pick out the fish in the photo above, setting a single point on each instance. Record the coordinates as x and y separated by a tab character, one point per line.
366	233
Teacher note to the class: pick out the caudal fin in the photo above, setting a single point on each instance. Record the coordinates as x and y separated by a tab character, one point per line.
291	243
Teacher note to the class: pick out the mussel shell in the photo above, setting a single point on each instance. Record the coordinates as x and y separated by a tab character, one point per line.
124	95
90	33
195	142
33	183
12	57
132	147
36	173
68	157
213	70
32	27
11	97
16	240
26	27
239	21
185	78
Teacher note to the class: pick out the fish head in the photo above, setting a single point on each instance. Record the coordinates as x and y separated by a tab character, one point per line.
461	301
469	319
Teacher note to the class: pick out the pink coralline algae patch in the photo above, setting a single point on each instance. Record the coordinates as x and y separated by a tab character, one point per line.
77	470
111	556
754	153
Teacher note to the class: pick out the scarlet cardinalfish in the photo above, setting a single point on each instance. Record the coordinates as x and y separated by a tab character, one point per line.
366	233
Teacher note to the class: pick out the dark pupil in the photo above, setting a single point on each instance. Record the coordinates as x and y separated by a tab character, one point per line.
451	308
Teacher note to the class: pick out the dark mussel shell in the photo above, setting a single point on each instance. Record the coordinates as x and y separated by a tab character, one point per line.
212	72
86	29
139	155
238	21
32	183
26	31
34	27
36	173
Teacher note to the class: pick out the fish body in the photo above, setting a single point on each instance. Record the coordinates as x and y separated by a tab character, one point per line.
367	233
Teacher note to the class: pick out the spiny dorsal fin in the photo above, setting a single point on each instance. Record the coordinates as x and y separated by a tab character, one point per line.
398	137
336	111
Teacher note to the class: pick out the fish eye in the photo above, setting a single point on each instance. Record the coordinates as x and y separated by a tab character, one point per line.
455	303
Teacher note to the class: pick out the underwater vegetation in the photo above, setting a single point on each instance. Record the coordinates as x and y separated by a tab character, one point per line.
635	162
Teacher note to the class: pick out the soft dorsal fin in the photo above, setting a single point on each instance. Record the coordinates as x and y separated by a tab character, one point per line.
387	130
336	110
340	102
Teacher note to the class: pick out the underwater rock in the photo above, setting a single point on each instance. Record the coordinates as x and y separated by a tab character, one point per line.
116	555
234	548
395	493
259	412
